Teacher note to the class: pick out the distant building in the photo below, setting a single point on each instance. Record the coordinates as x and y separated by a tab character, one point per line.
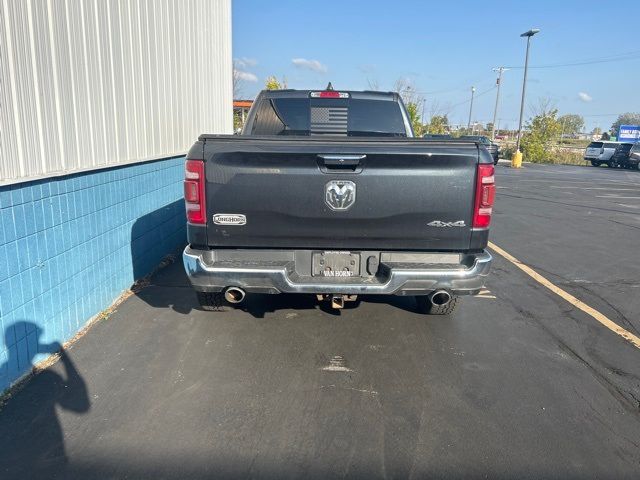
241	108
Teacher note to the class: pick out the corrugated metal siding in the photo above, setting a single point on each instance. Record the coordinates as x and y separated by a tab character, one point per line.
91	83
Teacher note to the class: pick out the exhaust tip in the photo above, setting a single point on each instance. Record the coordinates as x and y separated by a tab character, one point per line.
440	297
234	295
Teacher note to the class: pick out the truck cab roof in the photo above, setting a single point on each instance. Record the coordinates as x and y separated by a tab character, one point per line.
356	94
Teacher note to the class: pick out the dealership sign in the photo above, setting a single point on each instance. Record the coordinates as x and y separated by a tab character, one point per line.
629	133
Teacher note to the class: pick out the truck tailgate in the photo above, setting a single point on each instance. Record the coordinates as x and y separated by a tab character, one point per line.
408	194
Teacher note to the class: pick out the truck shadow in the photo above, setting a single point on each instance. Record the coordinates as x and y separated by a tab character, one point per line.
170	288
157	240
163	232
259	305
155	235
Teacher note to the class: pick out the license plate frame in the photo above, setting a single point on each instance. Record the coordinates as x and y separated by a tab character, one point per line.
335	264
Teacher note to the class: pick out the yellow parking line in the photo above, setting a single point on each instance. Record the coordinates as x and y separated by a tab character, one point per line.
603	319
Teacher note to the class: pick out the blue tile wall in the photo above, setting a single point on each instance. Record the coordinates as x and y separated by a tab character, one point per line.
69	246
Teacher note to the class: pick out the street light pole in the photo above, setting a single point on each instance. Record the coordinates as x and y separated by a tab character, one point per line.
473	91
495	110
517	157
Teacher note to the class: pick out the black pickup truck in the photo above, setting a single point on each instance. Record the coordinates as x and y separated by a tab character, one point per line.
328	193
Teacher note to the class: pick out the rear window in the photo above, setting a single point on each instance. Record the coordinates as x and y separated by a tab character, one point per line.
595	145
375	117
315	116
282	116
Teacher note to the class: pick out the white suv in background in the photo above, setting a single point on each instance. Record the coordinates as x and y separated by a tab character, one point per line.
600	152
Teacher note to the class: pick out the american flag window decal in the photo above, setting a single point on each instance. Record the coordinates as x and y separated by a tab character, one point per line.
329	120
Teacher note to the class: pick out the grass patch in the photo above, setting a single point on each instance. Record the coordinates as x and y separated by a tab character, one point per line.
568	157
557	155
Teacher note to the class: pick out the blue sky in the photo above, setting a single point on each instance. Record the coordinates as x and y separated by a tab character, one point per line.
445	48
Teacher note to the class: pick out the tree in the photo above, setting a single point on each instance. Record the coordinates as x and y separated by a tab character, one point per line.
414	118
543	107
438	108
596	131
238	83
438	124
625	119
541	131
407	91
412	100
571	123
272	83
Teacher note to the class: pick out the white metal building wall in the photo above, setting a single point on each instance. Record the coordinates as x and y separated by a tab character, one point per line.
91	83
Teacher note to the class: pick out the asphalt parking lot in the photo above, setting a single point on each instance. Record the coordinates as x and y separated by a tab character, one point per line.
519	383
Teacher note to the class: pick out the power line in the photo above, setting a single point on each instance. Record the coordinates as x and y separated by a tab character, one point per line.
635	55
602	115
456	89
468	100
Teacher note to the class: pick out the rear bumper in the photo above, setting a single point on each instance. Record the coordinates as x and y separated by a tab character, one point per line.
286	271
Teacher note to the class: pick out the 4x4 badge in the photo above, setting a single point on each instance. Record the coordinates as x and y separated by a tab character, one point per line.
440	223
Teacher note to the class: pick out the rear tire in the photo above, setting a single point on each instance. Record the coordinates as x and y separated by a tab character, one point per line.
213	301
612	164
425	306
595	164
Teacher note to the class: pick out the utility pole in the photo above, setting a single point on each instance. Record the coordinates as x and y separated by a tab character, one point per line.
528	35
473	91
516	161
495	110
562	131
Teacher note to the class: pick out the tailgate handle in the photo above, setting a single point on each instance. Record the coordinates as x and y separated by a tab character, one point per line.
342	160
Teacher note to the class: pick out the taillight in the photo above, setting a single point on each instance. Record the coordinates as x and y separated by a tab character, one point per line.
485	196
194	191
329	94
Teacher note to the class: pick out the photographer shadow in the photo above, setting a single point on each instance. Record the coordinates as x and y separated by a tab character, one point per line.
31	436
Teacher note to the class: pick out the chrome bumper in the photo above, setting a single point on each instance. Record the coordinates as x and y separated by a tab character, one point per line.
255	272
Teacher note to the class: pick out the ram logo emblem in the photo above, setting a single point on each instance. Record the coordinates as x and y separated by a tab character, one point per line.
340	194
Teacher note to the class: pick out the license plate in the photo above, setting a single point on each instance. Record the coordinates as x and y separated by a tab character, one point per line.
332	264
